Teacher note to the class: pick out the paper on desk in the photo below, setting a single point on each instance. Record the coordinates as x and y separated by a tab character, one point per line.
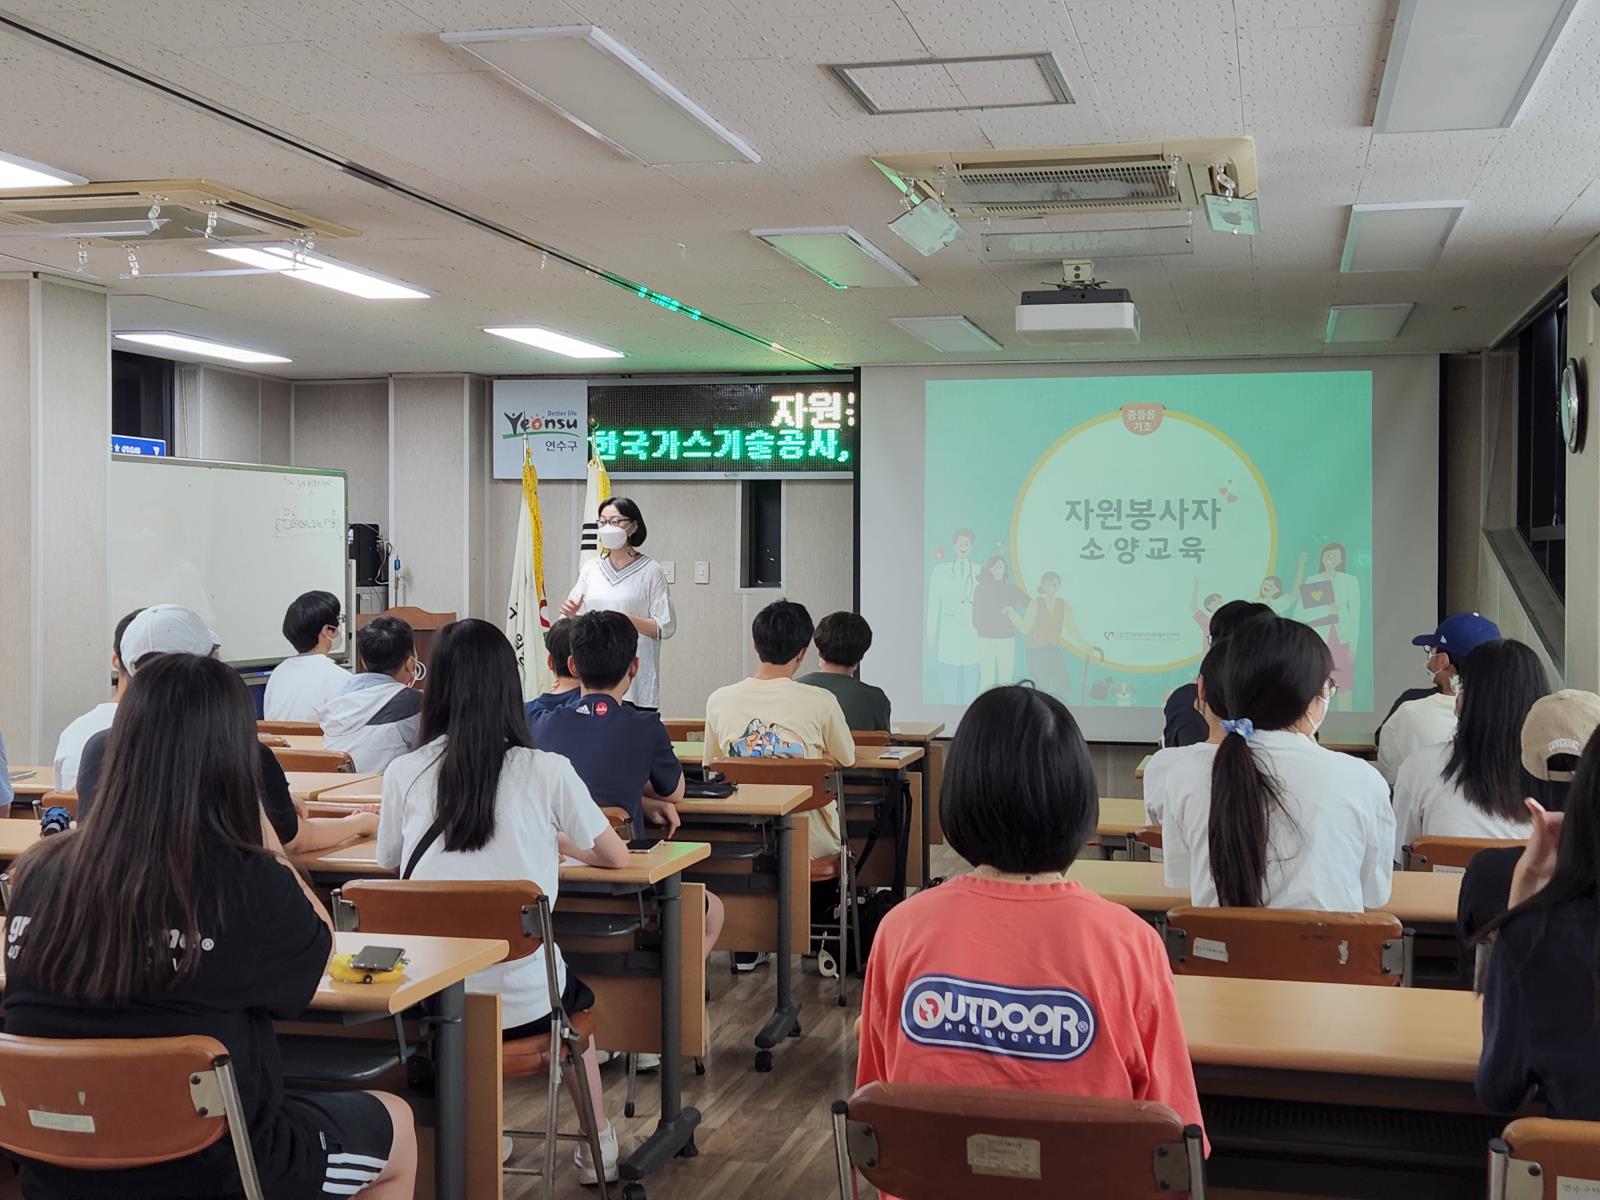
568	861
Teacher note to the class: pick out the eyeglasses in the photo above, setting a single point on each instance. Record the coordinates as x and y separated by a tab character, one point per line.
1429	651
614	521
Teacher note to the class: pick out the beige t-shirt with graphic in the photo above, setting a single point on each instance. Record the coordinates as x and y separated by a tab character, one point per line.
779	718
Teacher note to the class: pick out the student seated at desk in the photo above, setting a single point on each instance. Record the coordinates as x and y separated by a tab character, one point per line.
171	629
563	689
843	639
1274	820
1185	724
173	913
298	687
1207	700
1427	716
1019	801
772	715
1473	785
477	801
1554	734
375	717
1540	1035
69	746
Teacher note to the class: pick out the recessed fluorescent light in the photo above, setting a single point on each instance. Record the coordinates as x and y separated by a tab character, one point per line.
322	271
951	335
837	255
549	339
603	88
1465	64
1048	245
200	347
1366	322
25	173
1397	237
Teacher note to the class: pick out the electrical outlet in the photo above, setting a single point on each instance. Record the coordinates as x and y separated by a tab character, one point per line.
702	572
669	569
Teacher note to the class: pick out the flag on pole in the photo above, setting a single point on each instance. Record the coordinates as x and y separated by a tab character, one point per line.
526	618
595	493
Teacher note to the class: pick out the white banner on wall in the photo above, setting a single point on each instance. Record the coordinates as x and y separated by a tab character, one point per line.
550	417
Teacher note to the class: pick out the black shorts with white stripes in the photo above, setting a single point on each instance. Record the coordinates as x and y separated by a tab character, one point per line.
354	1135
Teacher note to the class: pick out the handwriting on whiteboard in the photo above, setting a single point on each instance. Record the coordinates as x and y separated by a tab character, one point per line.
309	506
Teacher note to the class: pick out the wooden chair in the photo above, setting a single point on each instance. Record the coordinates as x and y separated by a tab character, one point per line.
824	778
102	1104
314	760
275	740
288	728
686	731
1289	943
1145	845
870	737
66	800
518	913
424	625
934	1142
621	821
1536	1157
1449	855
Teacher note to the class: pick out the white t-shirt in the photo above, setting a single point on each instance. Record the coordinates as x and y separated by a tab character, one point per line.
1329	846
298	687
1158	771
640	590
1415	724
1427	803
540	796
69	747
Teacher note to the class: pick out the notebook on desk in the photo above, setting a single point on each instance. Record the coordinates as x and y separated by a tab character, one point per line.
893	751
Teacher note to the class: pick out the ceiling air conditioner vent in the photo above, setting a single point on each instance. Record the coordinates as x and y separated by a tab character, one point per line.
185	210
1017	185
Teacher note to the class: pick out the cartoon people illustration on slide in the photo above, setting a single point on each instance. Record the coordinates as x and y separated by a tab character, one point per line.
1273	595
1047	619
997	605
950	630
1202	610
1330	602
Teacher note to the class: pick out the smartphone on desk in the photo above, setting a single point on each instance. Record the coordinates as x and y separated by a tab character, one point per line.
642	845
377	958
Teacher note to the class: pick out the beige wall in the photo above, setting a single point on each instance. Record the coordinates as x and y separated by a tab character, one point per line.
1583	485
345	425
232	416
55	408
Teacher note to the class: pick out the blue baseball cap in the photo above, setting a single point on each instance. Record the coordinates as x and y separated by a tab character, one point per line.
1459	634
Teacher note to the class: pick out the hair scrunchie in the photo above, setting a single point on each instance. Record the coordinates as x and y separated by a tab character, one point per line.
1244	727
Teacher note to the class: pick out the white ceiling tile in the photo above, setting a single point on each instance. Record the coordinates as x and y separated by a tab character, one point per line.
1300	14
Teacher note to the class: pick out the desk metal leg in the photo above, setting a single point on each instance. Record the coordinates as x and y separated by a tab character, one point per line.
786	1013
674	1133
450	1135
927	818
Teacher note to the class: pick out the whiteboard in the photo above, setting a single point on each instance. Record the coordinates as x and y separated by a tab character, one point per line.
234	542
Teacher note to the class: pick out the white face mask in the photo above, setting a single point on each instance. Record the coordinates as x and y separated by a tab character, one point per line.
613	537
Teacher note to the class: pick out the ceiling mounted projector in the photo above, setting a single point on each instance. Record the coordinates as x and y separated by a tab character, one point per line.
1078	309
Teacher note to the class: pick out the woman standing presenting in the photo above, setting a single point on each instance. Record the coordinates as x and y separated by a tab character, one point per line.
633	584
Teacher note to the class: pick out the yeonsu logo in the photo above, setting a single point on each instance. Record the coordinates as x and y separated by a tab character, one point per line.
1050	1023
563	424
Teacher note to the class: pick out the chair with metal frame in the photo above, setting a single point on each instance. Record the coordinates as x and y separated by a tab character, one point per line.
1537	1158
824	778
1145	845
1289	943
67	800
314	760
682	730
518	913
289	728
870	737
933	1142
1449	855
104	1104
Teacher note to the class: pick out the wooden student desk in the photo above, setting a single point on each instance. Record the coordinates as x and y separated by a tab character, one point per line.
37	784
309	785
758	920
622	1003
1120	818
930	769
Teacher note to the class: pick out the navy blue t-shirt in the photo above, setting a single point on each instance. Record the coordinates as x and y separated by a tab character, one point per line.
547	701
616	749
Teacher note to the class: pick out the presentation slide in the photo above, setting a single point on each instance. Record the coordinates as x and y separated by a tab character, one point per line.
1077	532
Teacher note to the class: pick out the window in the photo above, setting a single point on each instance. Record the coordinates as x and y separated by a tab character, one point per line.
1541	450
142	390
761	533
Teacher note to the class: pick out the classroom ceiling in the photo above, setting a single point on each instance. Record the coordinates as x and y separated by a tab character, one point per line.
370	81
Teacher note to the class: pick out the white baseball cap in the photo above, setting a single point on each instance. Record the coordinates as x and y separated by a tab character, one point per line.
166	629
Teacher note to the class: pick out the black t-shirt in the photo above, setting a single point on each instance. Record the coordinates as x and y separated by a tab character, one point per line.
615	748
1184	726
265	952
275	798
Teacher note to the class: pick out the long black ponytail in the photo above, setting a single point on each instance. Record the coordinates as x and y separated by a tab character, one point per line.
1272	671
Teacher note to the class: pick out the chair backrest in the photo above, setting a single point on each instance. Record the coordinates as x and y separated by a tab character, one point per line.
66	800
821	775
114	1103
1449	855
1538	1159
621	820
1289	943
934	1142
504	909
313	760
1145	845
424	625
298	728
870	737
685	730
